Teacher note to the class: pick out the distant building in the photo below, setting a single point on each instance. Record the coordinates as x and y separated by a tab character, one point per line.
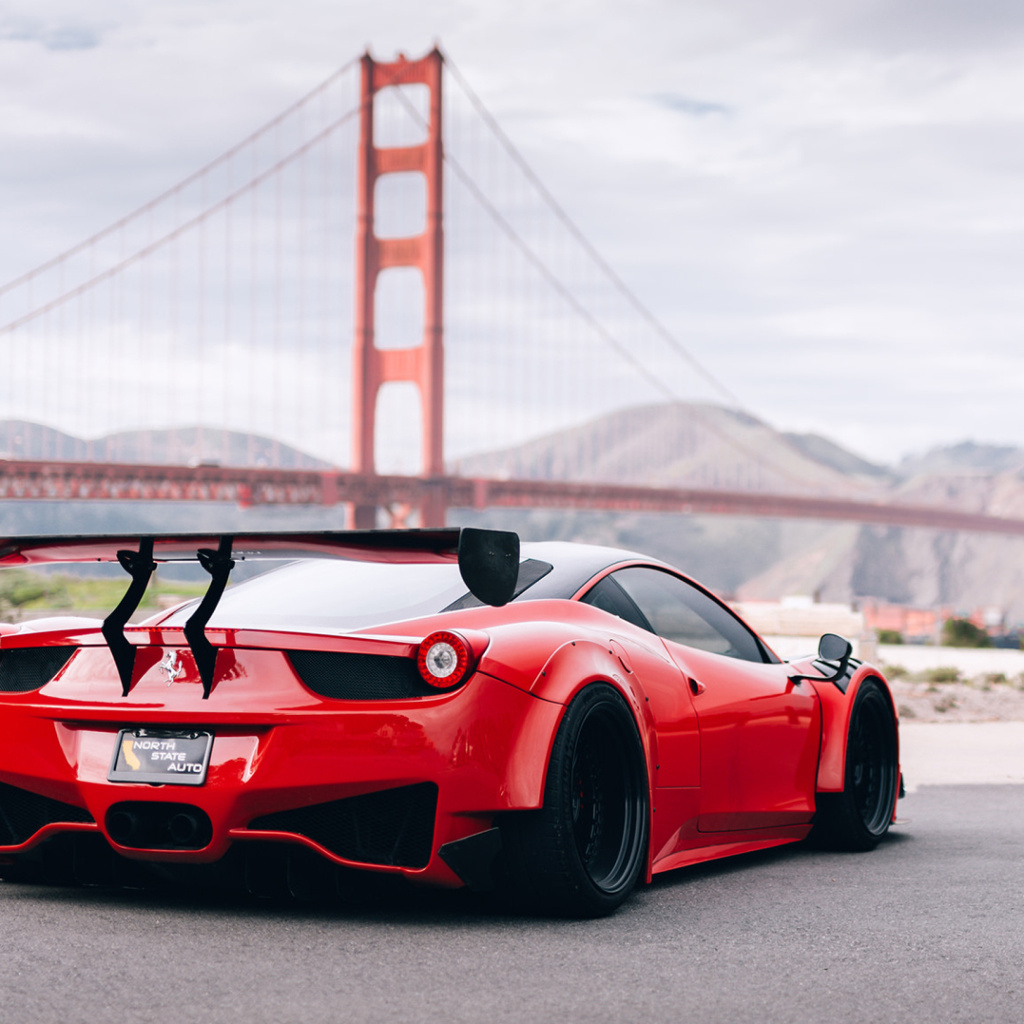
793	625
914	625
924	625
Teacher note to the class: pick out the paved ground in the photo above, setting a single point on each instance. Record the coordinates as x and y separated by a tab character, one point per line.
930	927
951	753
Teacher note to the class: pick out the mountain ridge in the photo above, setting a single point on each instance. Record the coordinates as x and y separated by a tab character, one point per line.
23	439
767	559
675	444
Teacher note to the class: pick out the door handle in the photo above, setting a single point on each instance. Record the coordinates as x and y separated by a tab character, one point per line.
696	688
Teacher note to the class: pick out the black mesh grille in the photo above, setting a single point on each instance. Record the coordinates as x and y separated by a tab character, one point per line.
344	676
28	668
394	826
23	814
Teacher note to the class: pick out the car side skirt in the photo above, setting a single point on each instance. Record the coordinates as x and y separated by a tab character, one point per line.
739	843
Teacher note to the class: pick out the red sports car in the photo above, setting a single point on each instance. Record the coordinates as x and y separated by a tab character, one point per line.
556	723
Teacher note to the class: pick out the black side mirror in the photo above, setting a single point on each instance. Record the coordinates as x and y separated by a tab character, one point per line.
831	647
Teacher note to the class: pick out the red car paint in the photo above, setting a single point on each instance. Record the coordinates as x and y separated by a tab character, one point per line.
735	752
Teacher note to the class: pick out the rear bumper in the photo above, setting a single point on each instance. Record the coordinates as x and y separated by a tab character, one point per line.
380	785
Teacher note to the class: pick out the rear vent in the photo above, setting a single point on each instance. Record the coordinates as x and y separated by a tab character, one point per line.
28	668
23	814
393	826
343	676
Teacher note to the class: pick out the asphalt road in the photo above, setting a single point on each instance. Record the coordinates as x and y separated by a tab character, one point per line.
929	928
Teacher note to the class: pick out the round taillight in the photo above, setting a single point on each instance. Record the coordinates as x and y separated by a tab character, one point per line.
443	660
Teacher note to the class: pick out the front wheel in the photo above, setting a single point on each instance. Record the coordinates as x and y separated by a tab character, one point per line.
859	816
582	853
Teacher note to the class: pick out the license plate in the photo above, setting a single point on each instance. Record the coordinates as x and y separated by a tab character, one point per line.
168	756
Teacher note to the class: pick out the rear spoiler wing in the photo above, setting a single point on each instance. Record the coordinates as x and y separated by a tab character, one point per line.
488	562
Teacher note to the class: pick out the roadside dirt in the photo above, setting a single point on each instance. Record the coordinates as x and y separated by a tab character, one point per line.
927	697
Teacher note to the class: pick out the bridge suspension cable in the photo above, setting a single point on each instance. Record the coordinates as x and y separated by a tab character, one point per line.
643	369
150	248
574	230
224	305
183	184
204	311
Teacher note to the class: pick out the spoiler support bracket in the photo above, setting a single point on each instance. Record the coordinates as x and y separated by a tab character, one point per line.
140	566
218	564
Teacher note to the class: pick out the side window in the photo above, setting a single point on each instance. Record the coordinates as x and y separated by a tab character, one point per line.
681	612
610	597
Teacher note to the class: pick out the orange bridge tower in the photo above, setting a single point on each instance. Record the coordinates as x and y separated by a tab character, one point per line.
422	364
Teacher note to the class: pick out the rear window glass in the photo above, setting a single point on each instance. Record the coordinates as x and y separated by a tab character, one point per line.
340	595
335	594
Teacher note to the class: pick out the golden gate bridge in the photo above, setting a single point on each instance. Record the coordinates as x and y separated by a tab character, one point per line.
378	278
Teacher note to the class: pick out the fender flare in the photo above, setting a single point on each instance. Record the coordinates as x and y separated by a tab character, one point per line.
836	708
578	664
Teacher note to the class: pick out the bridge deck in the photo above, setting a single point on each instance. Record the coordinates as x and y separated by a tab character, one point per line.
82	481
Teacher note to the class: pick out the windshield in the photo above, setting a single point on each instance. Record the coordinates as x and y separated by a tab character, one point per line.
335	594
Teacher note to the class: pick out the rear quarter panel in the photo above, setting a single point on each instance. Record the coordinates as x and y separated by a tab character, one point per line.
556	660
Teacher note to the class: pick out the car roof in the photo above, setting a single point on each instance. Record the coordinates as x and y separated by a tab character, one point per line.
572	565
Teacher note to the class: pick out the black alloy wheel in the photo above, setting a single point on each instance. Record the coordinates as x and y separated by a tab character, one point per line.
859	817
582	854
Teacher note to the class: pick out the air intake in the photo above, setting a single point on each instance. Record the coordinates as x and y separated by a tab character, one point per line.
23	814
393	826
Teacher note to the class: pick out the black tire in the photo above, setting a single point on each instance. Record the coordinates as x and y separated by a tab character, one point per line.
582	853
859	817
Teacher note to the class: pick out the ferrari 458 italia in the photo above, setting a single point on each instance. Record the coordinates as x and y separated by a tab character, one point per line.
552	722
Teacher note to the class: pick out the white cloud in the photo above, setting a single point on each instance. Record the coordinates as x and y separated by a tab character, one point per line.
803	192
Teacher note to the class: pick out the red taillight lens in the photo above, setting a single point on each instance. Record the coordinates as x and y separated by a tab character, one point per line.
444	659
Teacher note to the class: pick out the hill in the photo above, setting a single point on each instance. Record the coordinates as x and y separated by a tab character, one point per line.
685	444
681	445
181	445
23	440
670	445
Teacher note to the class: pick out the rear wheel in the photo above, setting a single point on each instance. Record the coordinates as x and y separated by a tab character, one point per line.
582	853
859	817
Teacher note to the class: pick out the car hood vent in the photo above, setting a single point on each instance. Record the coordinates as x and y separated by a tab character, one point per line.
23	669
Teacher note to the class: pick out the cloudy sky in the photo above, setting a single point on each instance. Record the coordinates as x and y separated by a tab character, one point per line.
822	201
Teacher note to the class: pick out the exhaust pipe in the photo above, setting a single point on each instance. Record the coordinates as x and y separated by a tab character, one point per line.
183	828
122	826
143	825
